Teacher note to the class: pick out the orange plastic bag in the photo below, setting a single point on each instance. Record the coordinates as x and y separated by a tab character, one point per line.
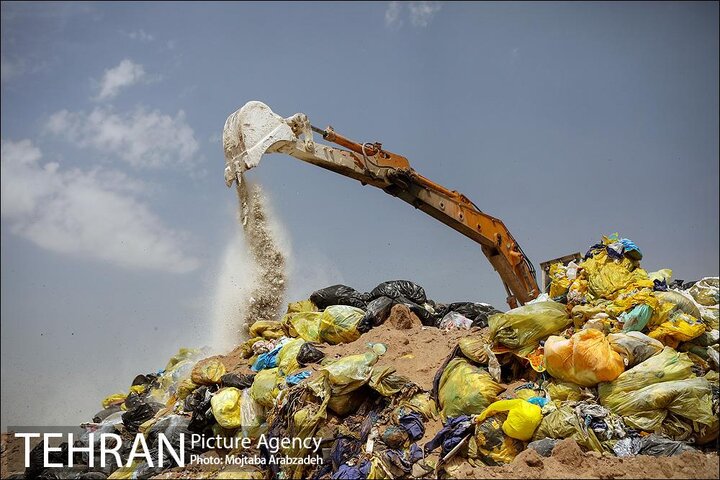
586	358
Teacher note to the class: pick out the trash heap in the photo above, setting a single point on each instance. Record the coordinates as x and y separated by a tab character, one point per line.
621	361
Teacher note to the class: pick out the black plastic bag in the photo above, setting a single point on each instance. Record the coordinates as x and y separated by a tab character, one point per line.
376	313
339	295
172	426
477	312
544	446
400	288
309	354
238	381
138	412
427	318
199	404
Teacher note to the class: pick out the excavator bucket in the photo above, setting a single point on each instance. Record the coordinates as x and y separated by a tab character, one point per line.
249	133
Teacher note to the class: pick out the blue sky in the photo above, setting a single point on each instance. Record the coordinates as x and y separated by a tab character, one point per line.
567	121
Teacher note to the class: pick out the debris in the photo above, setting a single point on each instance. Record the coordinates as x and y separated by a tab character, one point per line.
623	367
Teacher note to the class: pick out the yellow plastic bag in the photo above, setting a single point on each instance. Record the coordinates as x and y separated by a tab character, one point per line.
267	329
706	292
344	404
386	382
522	328
185	388
305	325
562	391
664	274
664	383
680	328
586	358
608	277
465	389
208	371
124	472
225	405
302	306
565	423
183	354
522	417
559	282
420	403
350	373
287	357
634	347
475	347
490	445
114	399
264	388
338	324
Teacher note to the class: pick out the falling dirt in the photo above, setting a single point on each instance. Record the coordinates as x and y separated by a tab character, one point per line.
268	291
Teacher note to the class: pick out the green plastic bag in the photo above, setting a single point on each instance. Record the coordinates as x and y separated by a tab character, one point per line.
522	328
664	383
636	319
465	389
350	373
338	324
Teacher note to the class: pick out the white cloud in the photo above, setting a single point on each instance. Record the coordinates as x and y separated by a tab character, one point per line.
13	68
392	15
125	74
144	139
141	35
422	13
90	214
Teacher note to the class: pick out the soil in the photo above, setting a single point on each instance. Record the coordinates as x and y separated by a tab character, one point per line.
417	352
402	318
569	461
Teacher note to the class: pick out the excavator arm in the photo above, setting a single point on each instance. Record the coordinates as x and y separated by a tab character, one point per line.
255	130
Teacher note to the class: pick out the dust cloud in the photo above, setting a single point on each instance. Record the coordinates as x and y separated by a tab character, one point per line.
252	282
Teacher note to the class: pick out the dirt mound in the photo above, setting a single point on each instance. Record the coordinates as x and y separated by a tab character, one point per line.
569	461
416	353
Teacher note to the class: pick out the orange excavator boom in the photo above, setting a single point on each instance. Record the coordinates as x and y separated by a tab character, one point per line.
254	130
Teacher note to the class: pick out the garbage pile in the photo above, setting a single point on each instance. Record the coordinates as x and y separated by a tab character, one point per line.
392	384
